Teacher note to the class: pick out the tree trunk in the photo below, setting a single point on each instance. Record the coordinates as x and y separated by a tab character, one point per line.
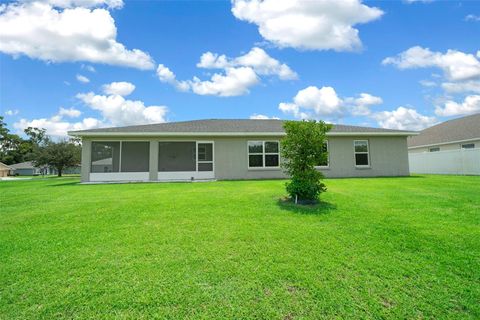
59	171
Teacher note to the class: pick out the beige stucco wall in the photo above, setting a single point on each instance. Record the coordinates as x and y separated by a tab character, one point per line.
445	147
388	157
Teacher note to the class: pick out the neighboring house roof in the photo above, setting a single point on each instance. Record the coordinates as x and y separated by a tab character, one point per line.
23	165
4	167
224	127
456	130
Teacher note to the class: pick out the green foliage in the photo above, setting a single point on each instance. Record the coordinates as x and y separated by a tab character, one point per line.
59	155
14	149
303	149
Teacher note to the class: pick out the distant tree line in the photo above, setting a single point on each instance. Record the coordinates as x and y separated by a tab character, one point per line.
39	148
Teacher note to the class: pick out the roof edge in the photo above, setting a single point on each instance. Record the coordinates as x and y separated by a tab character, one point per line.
442	143
229	134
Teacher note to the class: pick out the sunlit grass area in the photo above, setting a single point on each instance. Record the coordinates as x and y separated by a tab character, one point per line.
373	248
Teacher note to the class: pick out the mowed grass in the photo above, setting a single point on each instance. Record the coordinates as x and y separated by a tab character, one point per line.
375	248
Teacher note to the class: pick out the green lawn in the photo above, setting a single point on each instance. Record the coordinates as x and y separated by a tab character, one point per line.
375	248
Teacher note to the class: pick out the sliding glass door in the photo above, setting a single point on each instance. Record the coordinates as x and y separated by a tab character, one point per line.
185	160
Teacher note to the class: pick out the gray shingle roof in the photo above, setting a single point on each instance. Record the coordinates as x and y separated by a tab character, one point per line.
449	131
222	126
23	165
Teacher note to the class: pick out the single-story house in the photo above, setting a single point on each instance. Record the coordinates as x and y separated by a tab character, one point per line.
461	133
28	169
230	149
5	170
451	147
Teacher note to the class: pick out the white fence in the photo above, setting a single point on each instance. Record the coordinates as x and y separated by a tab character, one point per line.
461	161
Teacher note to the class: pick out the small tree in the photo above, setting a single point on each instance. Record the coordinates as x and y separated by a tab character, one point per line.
303	149
59	155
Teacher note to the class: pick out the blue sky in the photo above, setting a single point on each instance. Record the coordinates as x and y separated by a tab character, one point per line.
393	64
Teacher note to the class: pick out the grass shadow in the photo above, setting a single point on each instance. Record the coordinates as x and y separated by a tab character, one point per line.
63	184
321	207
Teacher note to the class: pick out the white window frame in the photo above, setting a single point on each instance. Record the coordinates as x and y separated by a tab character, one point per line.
263	154
469	143
328	158
433	149
206	161
362	152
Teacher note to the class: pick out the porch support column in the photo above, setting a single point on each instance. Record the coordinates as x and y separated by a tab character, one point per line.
153	176
86	157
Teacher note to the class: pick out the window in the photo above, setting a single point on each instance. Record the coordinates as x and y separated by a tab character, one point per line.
468	146
135	156
326	162
105	156
434	149
205	156
263	154
361	153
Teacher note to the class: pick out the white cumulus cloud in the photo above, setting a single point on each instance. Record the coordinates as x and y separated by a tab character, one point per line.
238	74
256	58
59	31
235	82
256	116
112	4
470	105
324	103
11	112
404	119
464	86
304	24
118	111
82	79
71	112
57	126
120	88
472	17
113	108
456	65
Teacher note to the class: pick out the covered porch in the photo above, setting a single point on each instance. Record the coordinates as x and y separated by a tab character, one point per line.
154	160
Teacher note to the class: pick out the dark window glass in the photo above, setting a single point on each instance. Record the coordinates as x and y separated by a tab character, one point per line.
105	157
255	160
205	152
434	149
271	147
361	146
205	167
468	146
135	156
324	163
176	156
361	159
255	146
271	160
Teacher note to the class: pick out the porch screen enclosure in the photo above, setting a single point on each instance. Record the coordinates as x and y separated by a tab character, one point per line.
185	159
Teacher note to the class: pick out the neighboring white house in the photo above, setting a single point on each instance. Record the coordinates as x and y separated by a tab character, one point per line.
451	147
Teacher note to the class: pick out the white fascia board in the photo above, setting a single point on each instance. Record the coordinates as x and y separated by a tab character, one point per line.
227	134
443	143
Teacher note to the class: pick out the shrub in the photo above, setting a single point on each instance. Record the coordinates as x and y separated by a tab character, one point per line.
302	149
